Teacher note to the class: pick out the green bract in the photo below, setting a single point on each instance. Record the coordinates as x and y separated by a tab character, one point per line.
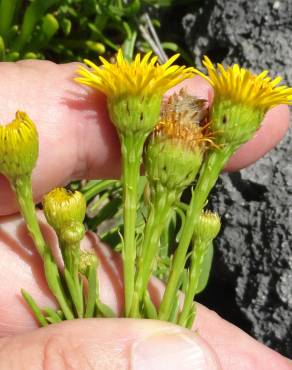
128	113
170	162
234	123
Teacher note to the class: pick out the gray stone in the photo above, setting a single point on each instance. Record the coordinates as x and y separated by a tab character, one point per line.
253	261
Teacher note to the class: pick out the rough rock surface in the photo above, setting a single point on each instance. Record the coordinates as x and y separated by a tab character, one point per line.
251	282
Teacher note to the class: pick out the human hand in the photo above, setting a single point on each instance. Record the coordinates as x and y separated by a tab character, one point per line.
78	141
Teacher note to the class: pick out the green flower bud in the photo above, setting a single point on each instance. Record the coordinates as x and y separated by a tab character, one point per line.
172	163
72	233
19	147
207	226
62	207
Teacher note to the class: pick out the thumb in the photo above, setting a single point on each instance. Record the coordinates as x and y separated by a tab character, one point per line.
108	344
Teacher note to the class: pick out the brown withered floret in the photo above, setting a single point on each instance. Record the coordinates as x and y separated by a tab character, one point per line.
185	117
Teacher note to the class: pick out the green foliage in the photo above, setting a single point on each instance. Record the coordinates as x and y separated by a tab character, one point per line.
67	30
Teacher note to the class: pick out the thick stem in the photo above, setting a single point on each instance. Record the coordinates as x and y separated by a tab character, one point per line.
157	219
55	285
71	258
195	270
132	147
208	176
23	190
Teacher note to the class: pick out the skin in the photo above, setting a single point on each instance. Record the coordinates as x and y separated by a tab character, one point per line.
78	141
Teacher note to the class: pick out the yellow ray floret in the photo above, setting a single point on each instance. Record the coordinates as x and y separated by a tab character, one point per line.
141	77
240	85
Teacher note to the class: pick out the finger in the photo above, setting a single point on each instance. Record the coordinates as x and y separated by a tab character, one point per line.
111	344
77	139
236	349
21	268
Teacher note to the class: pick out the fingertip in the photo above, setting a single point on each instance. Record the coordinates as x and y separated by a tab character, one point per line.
273	129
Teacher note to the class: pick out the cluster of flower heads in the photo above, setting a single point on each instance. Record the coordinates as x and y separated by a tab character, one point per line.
182	130
144	77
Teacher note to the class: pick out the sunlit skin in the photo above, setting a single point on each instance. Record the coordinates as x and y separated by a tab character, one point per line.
78	141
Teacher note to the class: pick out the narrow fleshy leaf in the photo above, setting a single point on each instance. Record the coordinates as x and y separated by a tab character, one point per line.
91	298
151	312
34	307
52	316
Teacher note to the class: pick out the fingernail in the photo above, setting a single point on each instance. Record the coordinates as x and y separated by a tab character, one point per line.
173	350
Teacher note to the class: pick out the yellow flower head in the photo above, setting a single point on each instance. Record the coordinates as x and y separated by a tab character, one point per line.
241	86
241	101
62	208
143	77
18	146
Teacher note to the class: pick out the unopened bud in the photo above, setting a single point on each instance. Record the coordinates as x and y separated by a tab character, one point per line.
62	207
207	227
19	147
72	233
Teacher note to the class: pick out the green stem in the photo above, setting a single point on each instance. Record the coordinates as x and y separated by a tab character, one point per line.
55	285
208	176
157	219
23	190
71	257
197	258
132	147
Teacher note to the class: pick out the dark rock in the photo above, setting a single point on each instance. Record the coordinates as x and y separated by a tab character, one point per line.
251	282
